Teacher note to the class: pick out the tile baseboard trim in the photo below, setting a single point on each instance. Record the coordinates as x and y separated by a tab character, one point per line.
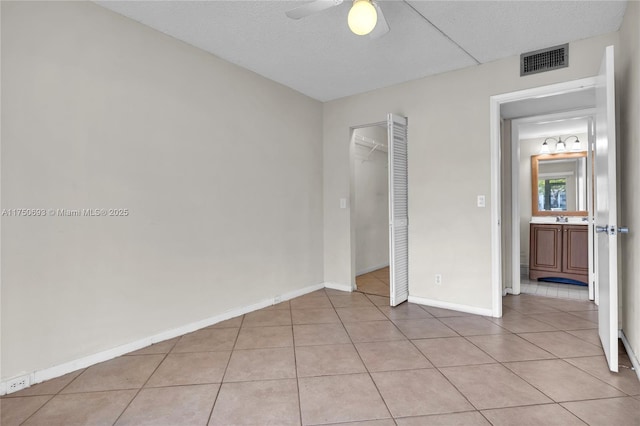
630	353
451	306
39	376
371	269
341	287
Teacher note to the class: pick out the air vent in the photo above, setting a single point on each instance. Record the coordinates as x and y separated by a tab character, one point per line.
542	60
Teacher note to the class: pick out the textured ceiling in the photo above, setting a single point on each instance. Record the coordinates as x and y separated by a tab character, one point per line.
321	58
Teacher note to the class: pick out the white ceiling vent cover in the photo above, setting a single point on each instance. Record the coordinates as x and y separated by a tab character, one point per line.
542	60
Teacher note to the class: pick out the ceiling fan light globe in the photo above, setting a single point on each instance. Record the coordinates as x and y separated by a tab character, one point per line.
362	17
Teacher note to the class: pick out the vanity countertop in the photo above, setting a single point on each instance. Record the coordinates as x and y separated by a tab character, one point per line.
571	220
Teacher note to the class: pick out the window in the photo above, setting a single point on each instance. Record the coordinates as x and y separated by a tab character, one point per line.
552	194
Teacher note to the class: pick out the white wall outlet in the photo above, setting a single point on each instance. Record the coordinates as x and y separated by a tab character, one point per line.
343	203
438	279
482	201
19	383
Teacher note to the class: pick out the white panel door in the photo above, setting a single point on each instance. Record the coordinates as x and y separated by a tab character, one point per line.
606	211
398	210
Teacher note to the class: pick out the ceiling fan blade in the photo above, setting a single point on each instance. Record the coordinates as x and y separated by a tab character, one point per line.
382	26
311	8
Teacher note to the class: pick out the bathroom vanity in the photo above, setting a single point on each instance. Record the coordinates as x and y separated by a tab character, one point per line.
559	250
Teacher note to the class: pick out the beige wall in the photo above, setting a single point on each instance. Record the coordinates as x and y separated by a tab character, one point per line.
628	92
220	169
449	165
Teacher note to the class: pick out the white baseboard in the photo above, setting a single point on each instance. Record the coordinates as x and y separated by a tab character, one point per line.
452	306
87	361
341	287
632	355
371	269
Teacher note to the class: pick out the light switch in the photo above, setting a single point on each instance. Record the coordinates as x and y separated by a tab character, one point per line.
343	203
481	201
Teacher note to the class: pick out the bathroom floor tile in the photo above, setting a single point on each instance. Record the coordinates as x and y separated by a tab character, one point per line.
190	369
94	408
504	389
335	399
562	381
14	411
625	379
272	402
419	392
394	355
509	347
516	322
265	337
319	334
360	314
207	340
261	364
424	328
315	316
328	360
562	344
176	405
472	326
548	415
452	351
265	318
353	300
469	418
606	412
565	321
373	331
405	311
125	372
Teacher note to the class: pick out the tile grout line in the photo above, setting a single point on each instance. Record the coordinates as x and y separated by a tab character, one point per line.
53	396
365	365
215	399
144	384
295	362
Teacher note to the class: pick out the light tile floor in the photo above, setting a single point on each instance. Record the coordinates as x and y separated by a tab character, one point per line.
375	282
551	289
350	359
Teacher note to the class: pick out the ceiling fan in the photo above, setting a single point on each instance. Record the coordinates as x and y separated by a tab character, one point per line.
365	16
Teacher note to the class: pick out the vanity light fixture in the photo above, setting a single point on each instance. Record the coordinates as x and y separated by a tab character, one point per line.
363	17
561	146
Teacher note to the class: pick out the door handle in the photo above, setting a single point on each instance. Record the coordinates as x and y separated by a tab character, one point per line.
602	228
623	230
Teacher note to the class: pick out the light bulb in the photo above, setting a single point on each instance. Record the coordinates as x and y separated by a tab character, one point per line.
577	146
545	148
561	147
362	17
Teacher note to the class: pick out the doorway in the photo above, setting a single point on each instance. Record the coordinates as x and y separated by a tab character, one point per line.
370	208
557	197
397	207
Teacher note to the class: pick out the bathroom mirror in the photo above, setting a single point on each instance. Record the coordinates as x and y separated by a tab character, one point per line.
559	184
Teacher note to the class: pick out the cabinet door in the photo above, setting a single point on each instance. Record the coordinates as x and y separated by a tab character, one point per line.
575	249
546	247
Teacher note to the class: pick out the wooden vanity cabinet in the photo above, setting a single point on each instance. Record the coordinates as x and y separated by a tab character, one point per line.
559	251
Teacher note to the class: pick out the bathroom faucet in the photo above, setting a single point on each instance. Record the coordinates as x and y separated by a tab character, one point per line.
562	219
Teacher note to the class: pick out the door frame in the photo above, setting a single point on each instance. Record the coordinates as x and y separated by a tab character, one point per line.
495	102
588	113
352	221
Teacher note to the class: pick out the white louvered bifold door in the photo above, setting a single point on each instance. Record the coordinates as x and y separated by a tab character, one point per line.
398	210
